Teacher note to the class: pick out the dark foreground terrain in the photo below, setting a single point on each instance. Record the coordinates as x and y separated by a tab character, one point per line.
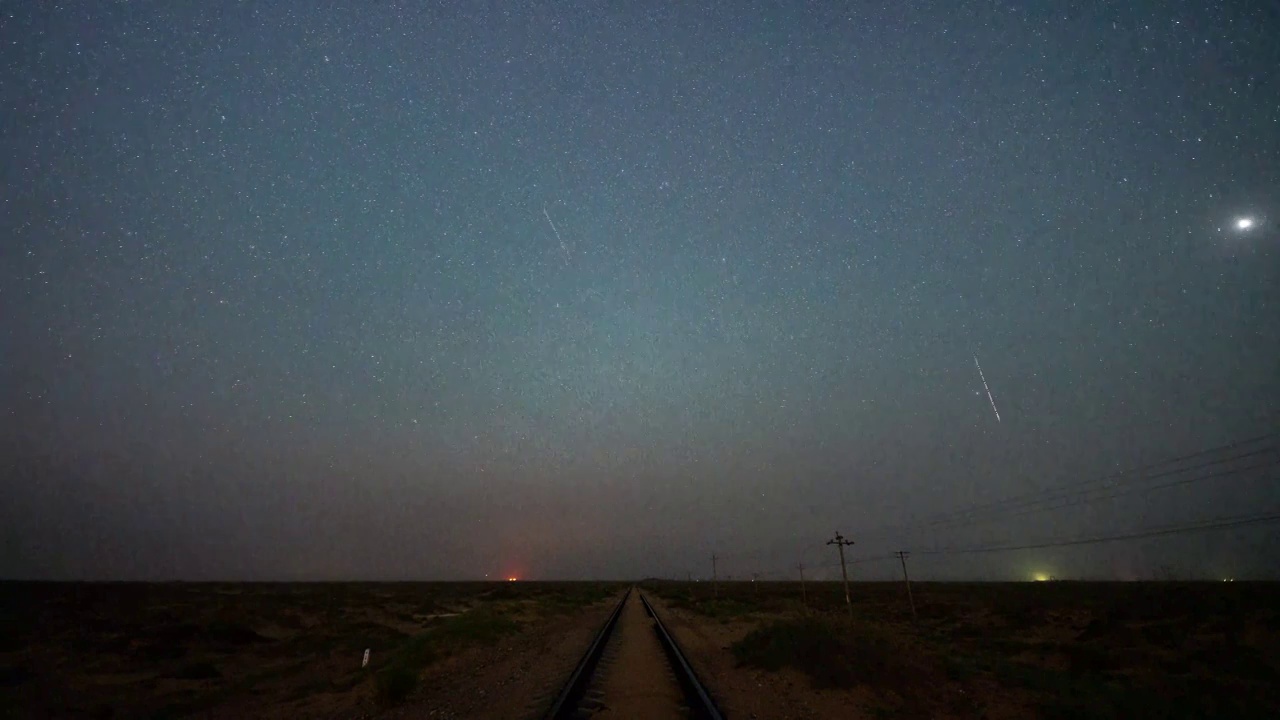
108	650
998	650
991	650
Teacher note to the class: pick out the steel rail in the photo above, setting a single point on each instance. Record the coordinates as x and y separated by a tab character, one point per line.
696	696
566	704
699	700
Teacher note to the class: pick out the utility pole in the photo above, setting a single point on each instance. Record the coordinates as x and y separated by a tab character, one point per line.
715	581
804	595
840	542
902	557
754	587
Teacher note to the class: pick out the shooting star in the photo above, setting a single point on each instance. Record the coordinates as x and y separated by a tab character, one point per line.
985	387
563	249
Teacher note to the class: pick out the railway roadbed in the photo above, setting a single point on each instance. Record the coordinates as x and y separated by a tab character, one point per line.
745	692
513	680
633	670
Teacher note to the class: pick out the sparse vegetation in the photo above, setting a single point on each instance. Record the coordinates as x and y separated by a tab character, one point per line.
190	649
395	682
1064	649
828	652
723	609
836	653
398	678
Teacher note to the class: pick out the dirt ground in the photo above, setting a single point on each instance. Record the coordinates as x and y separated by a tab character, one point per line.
1011	650
742	692
1052	650
635	681
515	679
180	650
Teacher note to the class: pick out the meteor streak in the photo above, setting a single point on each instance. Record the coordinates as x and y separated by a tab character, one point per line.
988	389
563	249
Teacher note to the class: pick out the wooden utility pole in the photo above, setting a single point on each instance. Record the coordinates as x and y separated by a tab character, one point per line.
804	595
715	581
902	557
840	542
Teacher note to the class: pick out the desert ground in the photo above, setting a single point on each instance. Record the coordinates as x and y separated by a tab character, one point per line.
174	650
984	650
765	650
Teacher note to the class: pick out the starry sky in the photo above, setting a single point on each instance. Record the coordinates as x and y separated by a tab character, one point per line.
584	289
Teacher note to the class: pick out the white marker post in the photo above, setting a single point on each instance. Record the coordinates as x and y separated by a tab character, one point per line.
365	663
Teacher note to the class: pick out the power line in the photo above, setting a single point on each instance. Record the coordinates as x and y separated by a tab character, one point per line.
1111	492
1156	476
853	561
1183	528
1199	526
766	550
1085	500
1062	492
1105	483
1081	493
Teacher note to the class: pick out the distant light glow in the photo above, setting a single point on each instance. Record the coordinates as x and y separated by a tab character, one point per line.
1040	577
1244	223
511	579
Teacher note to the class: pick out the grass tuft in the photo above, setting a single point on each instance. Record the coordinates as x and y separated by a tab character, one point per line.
395	681
832	653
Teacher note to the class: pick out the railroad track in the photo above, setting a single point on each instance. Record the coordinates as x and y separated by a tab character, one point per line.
633	669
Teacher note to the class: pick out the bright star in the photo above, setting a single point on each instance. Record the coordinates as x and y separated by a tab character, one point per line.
1244	223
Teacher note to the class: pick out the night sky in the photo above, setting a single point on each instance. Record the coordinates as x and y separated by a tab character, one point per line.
584	289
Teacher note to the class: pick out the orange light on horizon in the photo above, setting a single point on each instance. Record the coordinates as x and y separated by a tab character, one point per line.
511	579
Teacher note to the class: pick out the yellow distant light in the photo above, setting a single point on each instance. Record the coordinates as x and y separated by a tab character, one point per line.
1040	577
511	579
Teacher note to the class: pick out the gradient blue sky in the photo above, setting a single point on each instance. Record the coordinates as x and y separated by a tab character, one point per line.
575	289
